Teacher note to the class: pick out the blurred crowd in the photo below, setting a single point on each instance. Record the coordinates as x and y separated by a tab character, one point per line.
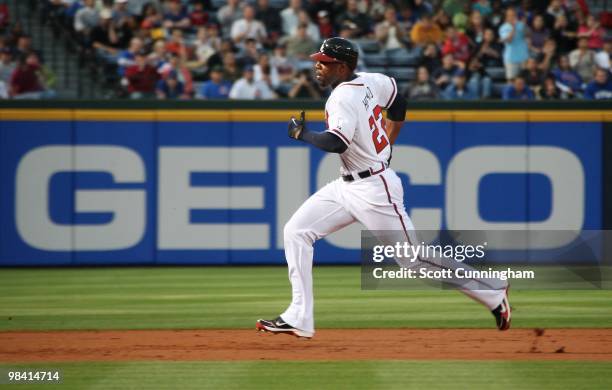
258	49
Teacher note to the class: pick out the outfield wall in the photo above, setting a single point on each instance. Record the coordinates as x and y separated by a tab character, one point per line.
160	185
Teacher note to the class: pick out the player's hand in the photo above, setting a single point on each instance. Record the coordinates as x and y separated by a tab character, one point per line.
296	126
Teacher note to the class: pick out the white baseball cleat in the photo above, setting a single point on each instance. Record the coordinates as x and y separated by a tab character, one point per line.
278	326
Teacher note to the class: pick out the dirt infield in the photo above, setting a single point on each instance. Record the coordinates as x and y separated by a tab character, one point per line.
328	344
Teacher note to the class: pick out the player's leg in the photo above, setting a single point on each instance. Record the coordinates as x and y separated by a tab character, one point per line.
322	214
382	209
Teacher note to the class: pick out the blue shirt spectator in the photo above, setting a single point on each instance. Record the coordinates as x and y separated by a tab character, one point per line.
516	51
216	87
600	87
568	80
170	87
518	90
458	89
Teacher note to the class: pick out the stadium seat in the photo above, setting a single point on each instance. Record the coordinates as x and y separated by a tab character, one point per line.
401	74
403	60
497	73
375	60
497	89
369	45
377	69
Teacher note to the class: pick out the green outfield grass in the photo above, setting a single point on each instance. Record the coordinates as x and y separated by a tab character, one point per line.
234	297
407	374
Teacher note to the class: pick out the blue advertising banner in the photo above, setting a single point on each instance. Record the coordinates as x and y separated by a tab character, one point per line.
89	192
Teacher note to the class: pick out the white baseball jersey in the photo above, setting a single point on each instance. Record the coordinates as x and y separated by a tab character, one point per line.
354	112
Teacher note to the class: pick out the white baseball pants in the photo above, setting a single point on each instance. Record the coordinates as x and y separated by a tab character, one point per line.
378	203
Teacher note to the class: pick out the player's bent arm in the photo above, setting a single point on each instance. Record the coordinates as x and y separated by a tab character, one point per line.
396	114
326	141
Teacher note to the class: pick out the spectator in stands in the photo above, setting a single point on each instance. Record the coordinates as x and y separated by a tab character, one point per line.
24	46
476	28
304	87
104	37
459	89
443	75
593	32
204	48
152	21
564	35
281	61
518	90
568	80
228	14
442	19
85	20
175	63
263	70
603	59
582	60
7	65
512	33
141	77
128	57
271	19
548	56
27	80
326	27
176	16
176	43
430	57
601	86
479	80
352	14
170	87
216	87
489	51
231	70
289	16
159	56
549	90
390	34
452	7
553	12
247	88
496	18
483	7
198	17
405	20
538	35
420	8
122	18
425	31
312	30
422	88
300	45
249	53
457	44
533	75
248	27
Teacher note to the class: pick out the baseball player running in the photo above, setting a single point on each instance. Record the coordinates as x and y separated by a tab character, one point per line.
368	190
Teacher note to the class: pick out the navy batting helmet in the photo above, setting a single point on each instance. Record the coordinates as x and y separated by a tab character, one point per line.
337	50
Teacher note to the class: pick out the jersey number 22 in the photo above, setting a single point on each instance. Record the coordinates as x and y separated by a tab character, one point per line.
378	137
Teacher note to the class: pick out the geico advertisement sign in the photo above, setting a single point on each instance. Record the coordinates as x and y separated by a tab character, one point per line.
289	179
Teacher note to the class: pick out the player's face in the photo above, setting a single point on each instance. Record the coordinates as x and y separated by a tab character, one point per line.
327	73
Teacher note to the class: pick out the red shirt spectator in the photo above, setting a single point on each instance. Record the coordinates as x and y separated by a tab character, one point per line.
25	78
326	27
594	32
457	44
198	16
141	77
